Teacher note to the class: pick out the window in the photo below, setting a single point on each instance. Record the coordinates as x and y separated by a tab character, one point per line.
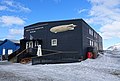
36	43
96	44
91	43
3	51
95	35
27	45
54	42
91	32
31	44
10	51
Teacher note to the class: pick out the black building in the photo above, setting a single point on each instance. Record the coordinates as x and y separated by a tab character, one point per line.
65	38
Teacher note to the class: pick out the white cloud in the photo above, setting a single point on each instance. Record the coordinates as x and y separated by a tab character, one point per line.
16	31
82	10
106	13
14	6
3	7
111	30
11	20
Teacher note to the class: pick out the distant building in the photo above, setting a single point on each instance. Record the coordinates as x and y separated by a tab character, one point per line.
7	47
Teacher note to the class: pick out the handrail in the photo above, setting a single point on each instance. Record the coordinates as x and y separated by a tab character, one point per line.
21	52
59	51
54	54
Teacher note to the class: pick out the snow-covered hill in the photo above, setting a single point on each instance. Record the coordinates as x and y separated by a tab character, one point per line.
114	50
115	47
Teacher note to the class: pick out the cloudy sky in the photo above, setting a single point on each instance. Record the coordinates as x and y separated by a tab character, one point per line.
102	15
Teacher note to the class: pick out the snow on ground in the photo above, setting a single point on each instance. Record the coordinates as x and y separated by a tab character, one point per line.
105	68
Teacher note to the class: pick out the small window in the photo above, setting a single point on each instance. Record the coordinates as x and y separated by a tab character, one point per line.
27	45
91	43
3	51
36	43
91	32
10	51
31	44
54	42
95	35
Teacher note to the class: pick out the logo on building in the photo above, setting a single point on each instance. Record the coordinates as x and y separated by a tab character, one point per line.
62	28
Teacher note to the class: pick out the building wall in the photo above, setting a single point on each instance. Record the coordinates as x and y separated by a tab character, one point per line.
91	38
66	41
73	40
86	37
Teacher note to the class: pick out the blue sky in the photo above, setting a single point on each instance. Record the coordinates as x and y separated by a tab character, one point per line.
102	15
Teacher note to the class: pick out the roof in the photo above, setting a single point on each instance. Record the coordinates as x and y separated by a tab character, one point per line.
17	42
1	41
46	23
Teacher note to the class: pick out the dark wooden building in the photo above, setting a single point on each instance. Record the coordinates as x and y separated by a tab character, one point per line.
64	39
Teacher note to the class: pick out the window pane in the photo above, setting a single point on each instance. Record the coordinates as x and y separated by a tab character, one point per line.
54	42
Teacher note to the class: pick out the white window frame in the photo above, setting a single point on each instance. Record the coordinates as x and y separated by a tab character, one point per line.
10	51
91	43
31	44
3	51
27	45
36	43
91	32
95	35
53	42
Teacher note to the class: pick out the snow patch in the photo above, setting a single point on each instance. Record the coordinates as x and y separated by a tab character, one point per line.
105	68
